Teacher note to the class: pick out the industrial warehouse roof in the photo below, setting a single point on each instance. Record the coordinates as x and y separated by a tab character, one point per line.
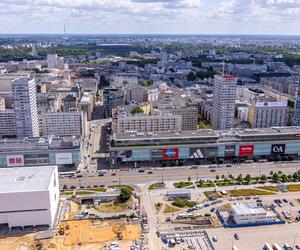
25	179
208	133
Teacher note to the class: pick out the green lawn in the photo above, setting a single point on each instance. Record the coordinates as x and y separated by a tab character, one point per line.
182	184
99	189
248	192
293	188
183	203
208	193
269	188
84	192
114	207
156	185
66	193
121	186
169	209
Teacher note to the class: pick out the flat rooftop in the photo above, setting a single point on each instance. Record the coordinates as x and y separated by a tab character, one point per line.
247	209
209	133
38	143
25	179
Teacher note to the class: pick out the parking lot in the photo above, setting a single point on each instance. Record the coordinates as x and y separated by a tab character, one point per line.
218	237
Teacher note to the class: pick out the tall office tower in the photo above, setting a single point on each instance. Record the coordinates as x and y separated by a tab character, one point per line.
112	98
297	106
25	107
163	56
224	102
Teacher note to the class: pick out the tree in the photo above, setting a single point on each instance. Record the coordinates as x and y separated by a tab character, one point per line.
271	172
295	176
284	178
137	110
240	178
191	76
189	178
201	182
231	177
248	178
217	177
125	194
103	83
275	177
223	177
263	177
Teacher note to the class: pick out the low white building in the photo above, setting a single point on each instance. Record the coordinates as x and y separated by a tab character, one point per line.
251	214
29	196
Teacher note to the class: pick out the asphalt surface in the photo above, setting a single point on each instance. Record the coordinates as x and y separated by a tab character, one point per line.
180	173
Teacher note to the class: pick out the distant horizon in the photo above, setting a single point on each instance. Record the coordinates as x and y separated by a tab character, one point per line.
153	34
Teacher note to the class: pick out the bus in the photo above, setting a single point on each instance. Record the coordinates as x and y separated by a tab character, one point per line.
67	174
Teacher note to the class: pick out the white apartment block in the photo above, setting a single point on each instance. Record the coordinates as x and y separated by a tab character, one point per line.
55	62
30	196
224	95
251	214
268	114
143	123
61	123
25	107
6	81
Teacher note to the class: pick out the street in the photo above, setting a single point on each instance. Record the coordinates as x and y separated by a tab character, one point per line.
180	173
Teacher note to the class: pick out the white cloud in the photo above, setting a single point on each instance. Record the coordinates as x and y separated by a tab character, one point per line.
152	16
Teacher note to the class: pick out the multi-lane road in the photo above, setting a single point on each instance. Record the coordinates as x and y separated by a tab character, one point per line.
180	173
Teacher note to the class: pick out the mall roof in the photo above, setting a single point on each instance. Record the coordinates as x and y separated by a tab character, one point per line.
208	133
25	179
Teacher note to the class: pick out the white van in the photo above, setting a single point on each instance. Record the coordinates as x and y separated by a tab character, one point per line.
267	246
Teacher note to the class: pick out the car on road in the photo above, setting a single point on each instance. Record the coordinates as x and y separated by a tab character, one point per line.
141	170
150	172
113	174
236	236
285	200
228	166
212	170
115	180
100	174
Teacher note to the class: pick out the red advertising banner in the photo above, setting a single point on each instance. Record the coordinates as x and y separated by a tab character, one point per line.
170	154
247	150
15	160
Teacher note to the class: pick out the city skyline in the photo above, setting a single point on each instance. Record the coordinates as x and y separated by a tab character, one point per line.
150	17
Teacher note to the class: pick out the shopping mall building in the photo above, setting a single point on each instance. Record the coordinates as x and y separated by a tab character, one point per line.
40	151
237	145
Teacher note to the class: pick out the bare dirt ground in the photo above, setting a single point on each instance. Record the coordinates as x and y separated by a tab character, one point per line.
84	232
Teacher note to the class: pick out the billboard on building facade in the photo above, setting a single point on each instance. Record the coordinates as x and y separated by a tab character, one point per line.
63	158
201	153
246	150
170	154
278	149
15	160
229	151
125	155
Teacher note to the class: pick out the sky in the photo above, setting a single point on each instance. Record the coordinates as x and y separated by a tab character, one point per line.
150	16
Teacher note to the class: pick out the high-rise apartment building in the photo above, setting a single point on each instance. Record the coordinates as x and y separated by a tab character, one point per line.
297	106
268	114
25	107
224	102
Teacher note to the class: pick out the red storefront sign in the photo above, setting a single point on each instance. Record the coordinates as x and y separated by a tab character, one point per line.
170	154
247	150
